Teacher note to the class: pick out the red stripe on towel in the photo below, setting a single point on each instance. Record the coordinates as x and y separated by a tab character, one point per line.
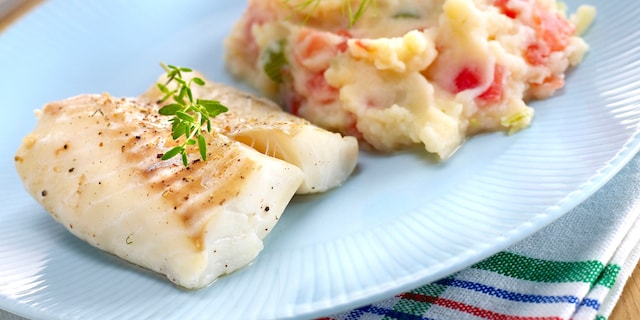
462	307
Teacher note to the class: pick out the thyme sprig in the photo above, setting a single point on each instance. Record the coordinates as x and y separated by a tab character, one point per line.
190	116
354	13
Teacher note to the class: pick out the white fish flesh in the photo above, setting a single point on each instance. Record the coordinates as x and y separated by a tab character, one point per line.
93	163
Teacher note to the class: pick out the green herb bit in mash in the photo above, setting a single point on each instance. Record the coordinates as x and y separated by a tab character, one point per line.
190	117
583	18
274	61
354	13
406	15
354	16
516	121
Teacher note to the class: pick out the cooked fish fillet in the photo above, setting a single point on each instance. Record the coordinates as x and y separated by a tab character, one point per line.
93	163
326	158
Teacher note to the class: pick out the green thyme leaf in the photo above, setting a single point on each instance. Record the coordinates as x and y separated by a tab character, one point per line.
198	81
185	117
172	152
214	108
162	87
190	117
185	159
179	129
202	147
170	109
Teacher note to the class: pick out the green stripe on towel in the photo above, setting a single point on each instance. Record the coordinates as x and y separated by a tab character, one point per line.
418	308
539	270
609	276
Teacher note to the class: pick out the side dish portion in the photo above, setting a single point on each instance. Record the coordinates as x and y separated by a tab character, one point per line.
327	159
408	73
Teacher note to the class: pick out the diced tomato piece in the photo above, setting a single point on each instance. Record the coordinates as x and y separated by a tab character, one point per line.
315	49
320	90
346	35
546	88
294	102
343	46
312	44
553	33
554	82
494	92
553	29
363	45
537	54
466	79
469	78
502	5
352	128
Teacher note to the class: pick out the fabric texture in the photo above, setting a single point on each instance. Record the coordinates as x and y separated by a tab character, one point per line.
575	268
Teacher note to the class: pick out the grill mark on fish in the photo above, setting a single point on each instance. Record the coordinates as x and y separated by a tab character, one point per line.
137	131
194	191
178	184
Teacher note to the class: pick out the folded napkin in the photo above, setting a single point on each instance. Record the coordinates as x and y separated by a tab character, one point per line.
575	268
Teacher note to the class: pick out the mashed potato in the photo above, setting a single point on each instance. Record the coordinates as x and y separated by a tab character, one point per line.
408	72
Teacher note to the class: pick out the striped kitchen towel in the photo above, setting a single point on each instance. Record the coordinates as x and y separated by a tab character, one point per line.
574	268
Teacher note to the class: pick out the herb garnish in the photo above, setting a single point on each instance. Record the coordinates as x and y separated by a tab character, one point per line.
354	13
190	117
274	61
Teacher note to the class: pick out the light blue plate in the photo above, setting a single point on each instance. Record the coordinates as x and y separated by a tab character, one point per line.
400	222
